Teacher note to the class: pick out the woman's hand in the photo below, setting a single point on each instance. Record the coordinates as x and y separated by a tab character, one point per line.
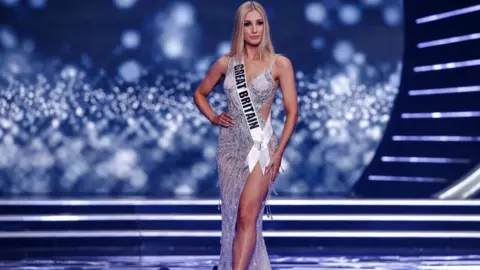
274	166
223	119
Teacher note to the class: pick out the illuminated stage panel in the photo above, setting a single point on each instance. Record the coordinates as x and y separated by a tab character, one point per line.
445	90
436	118
448	40
466	10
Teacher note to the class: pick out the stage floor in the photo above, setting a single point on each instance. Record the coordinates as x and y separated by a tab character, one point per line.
371	262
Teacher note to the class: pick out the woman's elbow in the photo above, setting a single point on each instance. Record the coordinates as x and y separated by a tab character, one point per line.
292	113
196	95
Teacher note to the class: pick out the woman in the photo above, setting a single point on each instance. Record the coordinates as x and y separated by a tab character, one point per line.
248	155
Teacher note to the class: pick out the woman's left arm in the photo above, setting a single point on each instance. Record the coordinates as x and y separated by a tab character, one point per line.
289	92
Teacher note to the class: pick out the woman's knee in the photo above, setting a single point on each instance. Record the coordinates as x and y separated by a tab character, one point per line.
247	216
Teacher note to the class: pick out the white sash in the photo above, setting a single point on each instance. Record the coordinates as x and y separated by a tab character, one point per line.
259	151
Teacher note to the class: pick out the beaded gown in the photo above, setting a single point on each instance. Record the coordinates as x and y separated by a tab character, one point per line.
233	147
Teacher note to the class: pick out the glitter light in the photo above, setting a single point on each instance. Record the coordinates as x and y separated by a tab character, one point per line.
135	129
350	14
130	71
8	38
124	4
315	13
38	3
131	39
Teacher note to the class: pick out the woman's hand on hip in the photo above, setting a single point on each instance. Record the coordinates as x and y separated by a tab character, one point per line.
223	119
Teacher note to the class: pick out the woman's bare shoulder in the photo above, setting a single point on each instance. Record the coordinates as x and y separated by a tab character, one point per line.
221	64
282	62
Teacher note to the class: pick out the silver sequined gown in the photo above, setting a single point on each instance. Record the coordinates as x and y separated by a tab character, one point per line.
234	144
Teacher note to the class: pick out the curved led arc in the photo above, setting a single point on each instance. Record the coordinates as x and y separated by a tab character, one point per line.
464	188
450	40
451	65
448	14
449	90
424	159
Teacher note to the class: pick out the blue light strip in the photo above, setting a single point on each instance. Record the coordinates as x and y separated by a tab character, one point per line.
442	115
218	217
405	179
449	40
424	159
436	138
448	14
450	90
214	202
268	234
451	65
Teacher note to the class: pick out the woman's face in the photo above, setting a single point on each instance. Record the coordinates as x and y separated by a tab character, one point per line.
253	28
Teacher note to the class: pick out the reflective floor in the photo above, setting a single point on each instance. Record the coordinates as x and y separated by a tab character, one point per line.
464	262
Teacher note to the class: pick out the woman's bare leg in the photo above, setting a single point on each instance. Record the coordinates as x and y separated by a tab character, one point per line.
253	194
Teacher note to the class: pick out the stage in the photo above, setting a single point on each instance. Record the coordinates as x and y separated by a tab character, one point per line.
105	162
183	234
371	260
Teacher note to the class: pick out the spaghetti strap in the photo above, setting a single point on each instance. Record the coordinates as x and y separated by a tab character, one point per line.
272	61
229	60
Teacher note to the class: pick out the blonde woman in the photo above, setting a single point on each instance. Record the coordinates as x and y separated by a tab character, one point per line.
249	154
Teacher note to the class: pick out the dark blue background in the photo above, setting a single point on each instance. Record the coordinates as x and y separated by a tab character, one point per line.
77	121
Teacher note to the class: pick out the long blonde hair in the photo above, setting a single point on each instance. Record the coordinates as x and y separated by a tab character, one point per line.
238	42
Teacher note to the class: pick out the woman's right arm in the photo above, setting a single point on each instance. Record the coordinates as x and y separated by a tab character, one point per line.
213	76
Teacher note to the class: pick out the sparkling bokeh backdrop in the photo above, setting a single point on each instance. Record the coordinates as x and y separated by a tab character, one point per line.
96	96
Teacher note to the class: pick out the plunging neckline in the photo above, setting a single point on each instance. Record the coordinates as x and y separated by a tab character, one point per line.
249	82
